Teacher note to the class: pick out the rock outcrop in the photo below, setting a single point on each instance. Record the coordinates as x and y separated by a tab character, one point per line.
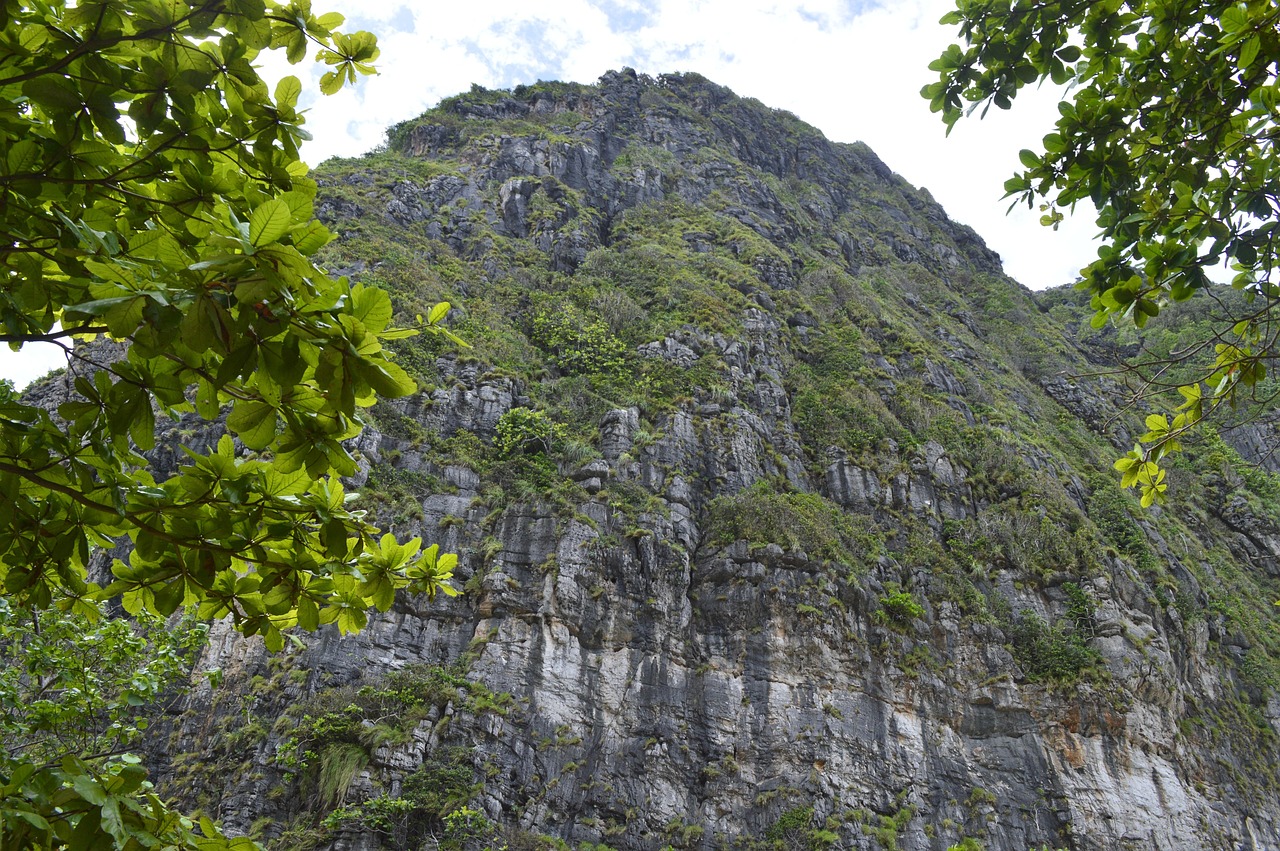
831	555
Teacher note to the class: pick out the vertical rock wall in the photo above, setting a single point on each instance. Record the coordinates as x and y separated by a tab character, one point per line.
712	622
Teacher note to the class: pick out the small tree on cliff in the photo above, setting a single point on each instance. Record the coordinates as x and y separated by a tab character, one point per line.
151	192
1170	128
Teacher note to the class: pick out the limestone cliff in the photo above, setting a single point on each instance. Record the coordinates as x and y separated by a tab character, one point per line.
820	546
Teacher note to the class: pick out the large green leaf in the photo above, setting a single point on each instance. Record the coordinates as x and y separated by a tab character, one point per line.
269	222
254	422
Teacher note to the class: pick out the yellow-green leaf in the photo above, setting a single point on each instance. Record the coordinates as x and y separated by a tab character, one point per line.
287	91
311	237
438	313
330	82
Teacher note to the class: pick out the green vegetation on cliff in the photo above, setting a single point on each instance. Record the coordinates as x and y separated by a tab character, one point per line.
1168	126
759	472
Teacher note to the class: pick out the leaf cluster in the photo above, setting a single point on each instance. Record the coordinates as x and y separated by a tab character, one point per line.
156	223
71	687
1169	130
578	345
898	608
73	694
152	193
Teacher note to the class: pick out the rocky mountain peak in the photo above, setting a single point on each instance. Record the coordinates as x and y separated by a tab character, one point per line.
784	519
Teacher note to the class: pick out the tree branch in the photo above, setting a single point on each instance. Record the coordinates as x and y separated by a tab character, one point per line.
53	336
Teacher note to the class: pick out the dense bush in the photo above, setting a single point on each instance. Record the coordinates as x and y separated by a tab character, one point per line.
575	344
336	731
898	608
1109	510
429	799
1050	653
794	521
330	737
523	430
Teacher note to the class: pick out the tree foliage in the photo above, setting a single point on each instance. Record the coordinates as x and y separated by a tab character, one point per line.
576	344
1169	128
522	430
152	195
74	696
68	687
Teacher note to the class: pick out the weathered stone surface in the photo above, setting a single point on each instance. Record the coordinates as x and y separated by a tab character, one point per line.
662	676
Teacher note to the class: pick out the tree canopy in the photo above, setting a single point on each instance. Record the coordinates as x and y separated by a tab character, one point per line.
1169	127
151	194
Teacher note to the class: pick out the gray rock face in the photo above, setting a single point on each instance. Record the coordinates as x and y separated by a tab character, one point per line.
694	691
934	487
1094	407
674	684
1256	442
1259	536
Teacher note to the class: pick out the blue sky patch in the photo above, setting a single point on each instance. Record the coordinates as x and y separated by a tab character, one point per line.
402	21
622	17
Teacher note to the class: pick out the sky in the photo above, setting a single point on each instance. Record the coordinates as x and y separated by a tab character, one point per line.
851	68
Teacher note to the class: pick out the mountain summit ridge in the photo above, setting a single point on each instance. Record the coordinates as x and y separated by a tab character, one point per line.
680	114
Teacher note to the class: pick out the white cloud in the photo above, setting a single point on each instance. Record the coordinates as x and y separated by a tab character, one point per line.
35	360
